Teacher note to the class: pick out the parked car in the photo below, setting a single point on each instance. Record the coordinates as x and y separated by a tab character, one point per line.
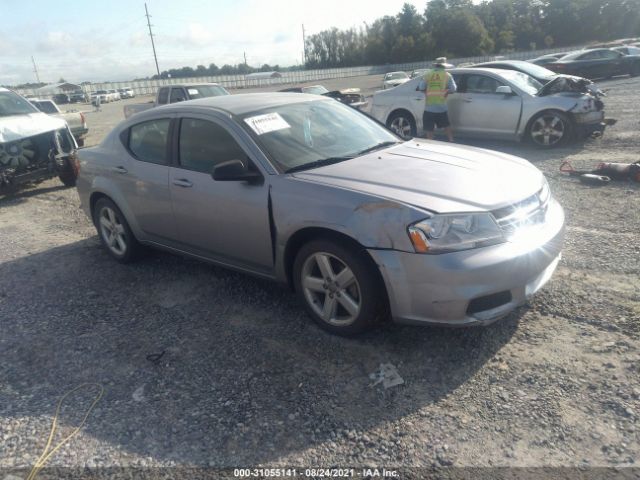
126	93
61	98
177	93
75	120
33	146
597	63
115	95
307	191
77	97
501	104
541	74
628	50
103	95
393	79
348	96
548	58
421	72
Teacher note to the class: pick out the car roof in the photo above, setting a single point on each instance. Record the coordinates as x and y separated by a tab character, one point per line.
505	62
496	71
247	102
398	71
186	85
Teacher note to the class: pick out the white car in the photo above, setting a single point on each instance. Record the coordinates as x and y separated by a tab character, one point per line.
114	94
500	104
393	79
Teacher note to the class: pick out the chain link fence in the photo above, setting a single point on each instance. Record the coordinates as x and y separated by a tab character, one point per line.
146	87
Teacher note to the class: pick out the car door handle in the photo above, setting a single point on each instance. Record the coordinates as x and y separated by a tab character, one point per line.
183	182
119	169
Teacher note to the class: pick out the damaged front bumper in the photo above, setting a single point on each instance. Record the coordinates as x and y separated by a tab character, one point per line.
591	124
37	157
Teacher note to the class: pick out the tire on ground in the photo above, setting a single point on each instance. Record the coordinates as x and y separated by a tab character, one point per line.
568	127
408	118
133	248
368	284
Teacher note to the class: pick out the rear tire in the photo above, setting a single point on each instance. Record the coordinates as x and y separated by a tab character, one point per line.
68	179
114	231
339	286
550	129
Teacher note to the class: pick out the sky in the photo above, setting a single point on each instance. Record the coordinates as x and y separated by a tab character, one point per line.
109	41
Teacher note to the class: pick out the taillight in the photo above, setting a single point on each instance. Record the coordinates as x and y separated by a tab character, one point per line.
83	120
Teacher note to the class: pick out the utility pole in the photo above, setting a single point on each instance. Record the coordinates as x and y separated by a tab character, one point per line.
35	69
245	57
155	57
304	46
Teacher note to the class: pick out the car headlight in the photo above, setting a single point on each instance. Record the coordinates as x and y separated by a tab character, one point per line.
455	232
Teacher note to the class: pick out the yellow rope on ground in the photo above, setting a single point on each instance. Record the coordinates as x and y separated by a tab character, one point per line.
46	454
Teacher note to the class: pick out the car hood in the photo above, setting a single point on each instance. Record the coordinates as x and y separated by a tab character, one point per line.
569	84
397	81
435	176
17	127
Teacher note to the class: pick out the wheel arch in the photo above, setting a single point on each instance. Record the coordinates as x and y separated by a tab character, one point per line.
401	110
308	234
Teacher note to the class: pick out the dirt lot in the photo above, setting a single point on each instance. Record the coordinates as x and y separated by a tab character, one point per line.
248	380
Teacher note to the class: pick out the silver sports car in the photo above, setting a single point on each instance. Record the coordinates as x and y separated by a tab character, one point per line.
500	104
310	192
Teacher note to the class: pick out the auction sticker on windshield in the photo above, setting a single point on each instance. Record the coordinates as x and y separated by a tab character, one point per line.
269	122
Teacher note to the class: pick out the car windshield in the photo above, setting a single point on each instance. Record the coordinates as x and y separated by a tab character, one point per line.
303	135
523	81
12	104
396	76
316	90
203	91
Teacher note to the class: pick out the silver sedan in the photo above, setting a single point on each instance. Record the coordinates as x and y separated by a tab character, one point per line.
312	193
500	104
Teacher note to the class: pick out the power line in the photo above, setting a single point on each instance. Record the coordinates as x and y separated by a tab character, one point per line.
35	69
151	35
304	46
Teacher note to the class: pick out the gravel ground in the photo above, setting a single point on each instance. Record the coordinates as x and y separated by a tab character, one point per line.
248	380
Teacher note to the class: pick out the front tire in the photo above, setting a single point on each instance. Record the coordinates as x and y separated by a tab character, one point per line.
550	129
114	231
339	286
403	124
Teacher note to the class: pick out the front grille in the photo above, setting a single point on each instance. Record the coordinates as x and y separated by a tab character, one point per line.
527	213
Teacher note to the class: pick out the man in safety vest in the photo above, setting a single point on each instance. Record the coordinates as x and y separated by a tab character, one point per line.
437	85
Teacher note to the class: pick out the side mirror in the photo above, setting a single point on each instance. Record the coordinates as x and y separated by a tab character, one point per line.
234	170
504	90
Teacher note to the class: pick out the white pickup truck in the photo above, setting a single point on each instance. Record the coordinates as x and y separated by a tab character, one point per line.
76	120
177	93
33	146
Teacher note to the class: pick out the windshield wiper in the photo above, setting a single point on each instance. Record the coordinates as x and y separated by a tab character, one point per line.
318	163
377	147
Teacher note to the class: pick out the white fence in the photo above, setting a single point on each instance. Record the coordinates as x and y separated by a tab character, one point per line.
144	87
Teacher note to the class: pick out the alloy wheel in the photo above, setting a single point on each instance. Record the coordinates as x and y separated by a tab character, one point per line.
331	289
401	126
112	231
548	130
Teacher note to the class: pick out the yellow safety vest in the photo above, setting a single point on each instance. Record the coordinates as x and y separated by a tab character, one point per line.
436	81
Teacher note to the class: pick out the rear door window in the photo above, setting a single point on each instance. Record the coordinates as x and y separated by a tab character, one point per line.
148	141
